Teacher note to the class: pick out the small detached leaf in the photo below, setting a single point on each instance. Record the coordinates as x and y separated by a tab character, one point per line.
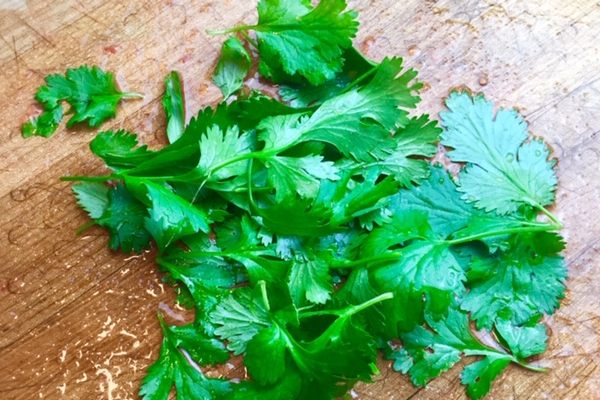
91	93
174	107
232	68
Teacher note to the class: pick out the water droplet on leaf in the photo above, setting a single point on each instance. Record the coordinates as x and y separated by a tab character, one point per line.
510	157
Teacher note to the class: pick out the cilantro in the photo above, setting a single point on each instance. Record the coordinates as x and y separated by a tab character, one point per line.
174	368
93	198
238	318
118	149
170	216
91	93
310	281
311	232
517	284
118	211
232	68
429	352
295	38
505	169
304	94
174	107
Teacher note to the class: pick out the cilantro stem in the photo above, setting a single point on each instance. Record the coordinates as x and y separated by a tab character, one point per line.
308	314
393	256
529	366
550	216
359	307
367	260
263	292
487	351
85	227
360	79
249	39
100	178
252	189
349	311
250	194
532	228
132	95
238	28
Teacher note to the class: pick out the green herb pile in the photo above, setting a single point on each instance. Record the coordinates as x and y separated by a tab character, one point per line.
311	232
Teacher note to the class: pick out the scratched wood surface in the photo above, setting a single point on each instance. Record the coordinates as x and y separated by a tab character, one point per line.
78	321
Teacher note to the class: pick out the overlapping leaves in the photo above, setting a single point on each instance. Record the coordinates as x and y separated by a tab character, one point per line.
311	232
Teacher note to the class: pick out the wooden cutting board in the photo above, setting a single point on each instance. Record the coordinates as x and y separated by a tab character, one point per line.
78	321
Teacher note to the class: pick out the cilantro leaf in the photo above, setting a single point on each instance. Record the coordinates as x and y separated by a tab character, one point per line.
309	281
439	199
239	317
232	68
296	216
505	170
125	220
201	275
305	95
172	102
478	376
337	203
91	93
43	125
219	147
201	348
298	39
92	197
428	353
170	216
287	388
400	229
270	344
523	341
172	368
413	142
518	284
118	149
437	350
344	350
423	267
302	175
358	123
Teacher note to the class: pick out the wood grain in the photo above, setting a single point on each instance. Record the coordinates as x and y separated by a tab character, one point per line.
78	321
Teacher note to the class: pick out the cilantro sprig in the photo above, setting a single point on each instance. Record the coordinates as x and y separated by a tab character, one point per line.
91	93
311	232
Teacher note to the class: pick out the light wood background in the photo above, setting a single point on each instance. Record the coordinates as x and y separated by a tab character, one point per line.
78	321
